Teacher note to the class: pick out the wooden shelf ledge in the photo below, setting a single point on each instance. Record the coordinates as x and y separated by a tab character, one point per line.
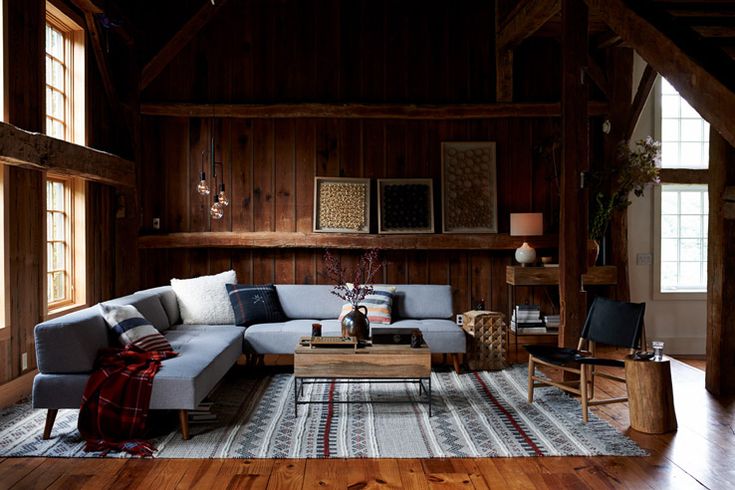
264	239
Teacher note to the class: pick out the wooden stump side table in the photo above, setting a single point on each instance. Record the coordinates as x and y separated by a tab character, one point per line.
650	396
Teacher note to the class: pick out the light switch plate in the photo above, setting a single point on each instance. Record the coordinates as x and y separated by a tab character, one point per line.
24	361
644	259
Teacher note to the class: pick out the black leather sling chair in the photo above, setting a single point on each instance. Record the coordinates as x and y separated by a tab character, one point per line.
608	322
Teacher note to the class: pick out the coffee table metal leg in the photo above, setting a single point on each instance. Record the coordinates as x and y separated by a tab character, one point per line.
296	397
429	396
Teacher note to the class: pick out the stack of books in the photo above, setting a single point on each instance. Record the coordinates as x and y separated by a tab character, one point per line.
527	320
203	414
552	323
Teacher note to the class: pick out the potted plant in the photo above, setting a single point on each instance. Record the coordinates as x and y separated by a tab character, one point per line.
355	323
639	166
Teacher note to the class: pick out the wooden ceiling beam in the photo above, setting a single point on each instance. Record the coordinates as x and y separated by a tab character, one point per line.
363	111
525	19
38	151
639	100
711	97
89	7
597	74
182	37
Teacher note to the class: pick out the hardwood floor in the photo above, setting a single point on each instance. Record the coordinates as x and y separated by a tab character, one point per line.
699	455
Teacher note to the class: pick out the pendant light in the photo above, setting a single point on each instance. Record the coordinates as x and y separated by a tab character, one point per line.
203	186
217	210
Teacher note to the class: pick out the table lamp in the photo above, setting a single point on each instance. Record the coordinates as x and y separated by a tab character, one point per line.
526	224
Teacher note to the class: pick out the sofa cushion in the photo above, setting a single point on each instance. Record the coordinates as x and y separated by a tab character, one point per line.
308	301
422	301
69	344
204	299
132	329
168	299
255	304
281	338
205	355
148	305
379	305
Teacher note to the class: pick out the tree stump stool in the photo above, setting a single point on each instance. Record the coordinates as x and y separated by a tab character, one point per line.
650	396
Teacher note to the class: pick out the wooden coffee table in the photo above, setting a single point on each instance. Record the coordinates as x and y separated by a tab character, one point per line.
371	364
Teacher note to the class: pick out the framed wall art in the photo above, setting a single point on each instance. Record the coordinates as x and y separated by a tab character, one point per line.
469	187
341	205
405	206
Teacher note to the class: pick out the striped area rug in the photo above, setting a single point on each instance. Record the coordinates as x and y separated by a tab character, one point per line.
478	414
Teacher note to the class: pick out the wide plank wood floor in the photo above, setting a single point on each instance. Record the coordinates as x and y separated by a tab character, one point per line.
701	454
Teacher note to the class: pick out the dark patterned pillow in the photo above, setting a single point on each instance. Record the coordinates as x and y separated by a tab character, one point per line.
255	304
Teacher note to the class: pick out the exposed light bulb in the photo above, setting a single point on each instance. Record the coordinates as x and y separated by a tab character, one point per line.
217	210
223	196
203	187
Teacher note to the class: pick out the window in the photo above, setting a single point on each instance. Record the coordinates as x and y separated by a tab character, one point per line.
64	77
681	208
64	243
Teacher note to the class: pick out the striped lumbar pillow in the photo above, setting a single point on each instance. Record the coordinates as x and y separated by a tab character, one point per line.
132	328
379	305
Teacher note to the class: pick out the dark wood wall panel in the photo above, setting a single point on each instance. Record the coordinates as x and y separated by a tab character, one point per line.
270	167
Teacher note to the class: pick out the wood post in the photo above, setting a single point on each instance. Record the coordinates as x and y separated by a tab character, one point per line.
50	419
720	270
184	423
575	159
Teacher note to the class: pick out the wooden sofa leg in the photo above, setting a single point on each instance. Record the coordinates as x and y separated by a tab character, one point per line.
50	419
455	361
184	422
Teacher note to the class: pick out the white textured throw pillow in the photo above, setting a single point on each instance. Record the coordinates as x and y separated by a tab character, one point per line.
204	300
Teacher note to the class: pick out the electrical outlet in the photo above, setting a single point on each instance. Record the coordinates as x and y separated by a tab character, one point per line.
24	361
156	223
644	259
460	320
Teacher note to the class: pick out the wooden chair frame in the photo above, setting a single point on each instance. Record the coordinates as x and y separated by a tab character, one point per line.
584	387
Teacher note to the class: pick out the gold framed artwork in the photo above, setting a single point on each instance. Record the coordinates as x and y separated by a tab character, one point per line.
405	206
469	187
341	205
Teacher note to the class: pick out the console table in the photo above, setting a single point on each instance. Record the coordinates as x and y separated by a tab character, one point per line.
605	275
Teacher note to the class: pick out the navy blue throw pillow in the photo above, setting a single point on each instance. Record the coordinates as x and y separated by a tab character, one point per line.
255	304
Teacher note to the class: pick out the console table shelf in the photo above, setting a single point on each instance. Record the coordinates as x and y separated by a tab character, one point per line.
269	239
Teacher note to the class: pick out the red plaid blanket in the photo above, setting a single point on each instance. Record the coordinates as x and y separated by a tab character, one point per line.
114	411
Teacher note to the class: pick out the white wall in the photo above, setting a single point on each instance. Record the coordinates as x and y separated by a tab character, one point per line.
681	324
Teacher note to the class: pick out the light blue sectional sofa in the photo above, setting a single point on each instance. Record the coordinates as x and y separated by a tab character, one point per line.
66	347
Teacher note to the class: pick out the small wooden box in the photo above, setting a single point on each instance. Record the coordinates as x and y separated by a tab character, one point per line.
486	347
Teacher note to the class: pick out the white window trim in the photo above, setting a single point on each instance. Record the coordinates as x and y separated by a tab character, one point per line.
657	293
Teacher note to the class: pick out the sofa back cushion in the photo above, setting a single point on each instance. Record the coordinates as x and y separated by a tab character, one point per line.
204	300
69	344
149	305
168	300
255	304
422	301
314	301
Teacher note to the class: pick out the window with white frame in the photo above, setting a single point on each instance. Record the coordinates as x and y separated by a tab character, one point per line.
64	77
682	209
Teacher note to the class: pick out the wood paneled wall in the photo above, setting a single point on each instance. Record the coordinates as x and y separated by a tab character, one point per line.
340	51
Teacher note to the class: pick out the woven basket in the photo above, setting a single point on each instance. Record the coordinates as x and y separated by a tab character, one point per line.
487	331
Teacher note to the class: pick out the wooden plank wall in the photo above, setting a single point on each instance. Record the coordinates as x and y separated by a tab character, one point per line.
351	51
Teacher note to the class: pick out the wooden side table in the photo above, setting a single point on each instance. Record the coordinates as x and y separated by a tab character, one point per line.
650	396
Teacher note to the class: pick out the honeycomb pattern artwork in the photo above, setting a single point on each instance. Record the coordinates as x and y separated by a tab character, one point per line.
342	206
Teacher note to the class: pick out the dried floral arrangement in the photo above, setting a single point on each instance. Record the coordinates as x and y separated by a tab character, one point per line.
360	278
638	167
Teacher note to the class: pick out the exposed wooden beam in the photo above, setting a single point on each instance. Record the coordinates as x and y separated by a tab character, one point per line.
711	97
684	175
99	56
38	151
525	19
639	100
720	271
268	239
362	111
575	159
110	11
182	37
598	76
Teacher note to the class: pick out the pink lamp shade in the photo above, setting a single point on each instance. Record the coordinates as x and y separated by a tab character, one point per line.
526	224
